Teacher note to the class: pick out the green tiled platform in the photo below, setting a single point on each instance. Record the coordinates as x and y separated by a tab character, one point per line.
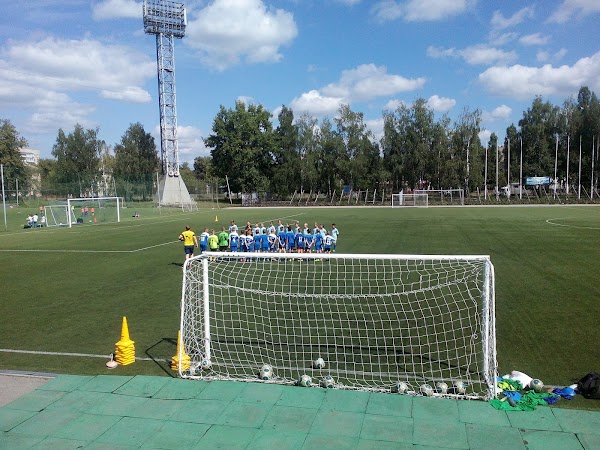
113	412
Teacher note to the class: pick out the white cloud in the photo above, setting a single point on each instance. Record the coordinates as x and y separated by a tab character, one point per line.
189	142
393	104
501	112
117	9
369	81
544	56
534	39
524	82
476	54
441	104
420	10
484	137
42	76
376	127
569	8
315	104
499	22
228	31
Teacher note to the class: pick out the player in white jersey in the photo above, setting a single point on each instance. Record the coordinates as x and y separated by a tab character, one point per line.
334	235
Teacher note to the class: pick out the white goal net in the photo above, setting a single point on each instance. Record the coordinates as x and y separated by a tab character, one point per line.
402	199
95	210
375	320
58	215
444	196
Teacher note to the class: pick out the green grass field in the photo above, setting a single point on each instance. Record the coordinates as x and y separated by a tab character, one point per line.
66	290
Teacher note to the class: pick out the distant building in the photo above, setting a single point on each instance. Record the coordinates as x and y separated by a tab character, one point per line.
30	156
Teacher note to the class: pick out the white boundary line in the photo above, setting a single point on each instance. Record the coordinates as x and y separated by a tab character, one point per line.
81	355
550	222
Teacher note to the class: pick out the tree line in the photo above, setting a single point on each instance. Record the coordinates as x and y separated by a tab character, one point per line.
307	154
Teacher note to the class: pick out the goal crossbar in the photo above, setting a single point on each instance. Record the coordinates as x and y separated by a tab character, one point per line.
376	320
91	205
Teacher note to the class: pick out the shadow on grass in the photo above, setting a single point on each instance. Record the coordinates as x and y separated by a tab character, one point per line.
177	264
161	354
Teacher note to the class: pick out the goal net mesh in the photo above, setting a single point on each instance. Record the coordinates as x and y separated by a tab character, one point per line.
96	210
375	320
401	199
58	215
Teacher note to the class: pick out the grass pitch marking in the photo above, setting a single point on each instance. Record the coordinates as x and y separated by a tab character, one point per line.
553	222
80	355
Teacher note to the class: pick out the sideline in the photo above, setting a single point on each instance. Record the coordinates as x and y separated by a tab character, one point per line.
551	222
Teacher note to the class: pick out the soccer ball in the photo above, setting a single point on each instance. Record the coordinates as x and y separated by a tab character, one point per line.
460	387
327	381
536	385
266	372
206	364
400	387
181	238
442	387
319	363
195	368
305	381
427	390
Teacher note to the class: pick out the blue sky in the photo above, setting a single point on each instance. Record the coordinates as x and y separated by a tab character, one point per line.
73	61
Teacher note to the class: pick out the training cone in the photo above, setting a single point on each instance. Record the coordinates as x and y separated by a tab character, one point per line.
185	358
216	218
125	348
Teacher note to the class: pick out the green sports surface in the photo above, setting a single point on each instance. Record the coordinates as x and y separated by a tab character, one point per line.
66	290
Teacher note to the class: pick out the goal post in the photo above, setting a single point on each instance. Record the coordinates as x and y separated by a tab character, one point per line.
58	215
444	196
419	200
376	320
95	209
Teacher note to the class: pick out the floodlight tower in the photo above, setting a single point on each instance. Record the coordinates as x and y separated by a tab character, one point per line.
167	20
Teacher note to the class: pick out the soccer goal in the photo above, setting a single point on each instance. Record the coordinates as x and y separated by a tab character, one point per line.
375	320
58	215
444	196
95	210
402	199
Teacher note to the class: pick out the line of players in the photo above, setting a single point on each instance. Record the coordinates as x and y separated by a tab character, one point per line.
278	238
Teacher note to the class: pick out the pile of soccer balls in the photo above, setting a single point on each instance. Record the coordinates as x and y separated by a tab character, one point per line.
426	389
266	373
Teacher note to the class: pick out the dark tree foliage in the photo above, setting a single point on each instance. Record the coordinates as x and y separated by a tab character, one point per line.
10	157
136	156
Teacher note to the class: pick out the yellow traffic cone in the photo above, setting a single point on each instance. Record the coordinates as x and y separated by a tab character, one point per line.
125	348
185	358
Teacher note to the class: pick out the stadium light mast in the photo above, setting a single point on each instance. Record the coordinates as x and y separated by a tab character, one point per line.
167	21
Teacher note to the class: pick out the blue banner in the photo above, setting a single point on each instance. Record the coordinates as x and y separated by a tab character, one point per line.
537	181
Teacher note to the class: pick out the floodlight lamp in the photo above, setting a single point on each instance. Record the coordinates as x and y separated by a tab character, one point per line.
164	17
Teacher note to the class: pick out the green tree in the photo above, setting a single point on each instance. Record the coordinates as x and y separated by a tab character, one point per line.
77	160
287	169
136	156
10	157
203	167
243	147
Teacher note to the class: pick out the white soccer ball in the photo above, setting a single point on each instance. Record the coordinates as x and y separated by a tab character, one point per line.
427	390
400	387
305	381
206	364
441	387
327	381
266	372
460	387
319	363
536	385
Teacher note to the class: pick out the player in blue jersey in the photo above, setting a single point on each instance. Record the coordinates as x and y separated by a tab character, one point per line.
271	228
233	227
334	236
204	240
234	241
250	241
257	241
308	241
264	242
318	239
299	242
281	236
289	239
263	229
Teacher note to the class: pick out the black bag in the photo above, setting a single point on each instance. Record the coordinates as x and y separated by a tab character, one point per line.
589	385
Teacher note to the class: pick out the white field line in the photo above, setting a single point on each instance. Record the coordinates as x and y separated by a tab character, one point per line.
80	355
551	222
119	251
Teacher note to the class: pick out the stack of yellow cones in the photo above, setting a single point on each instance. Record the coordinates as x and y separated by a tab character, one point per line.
185	358
125	351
